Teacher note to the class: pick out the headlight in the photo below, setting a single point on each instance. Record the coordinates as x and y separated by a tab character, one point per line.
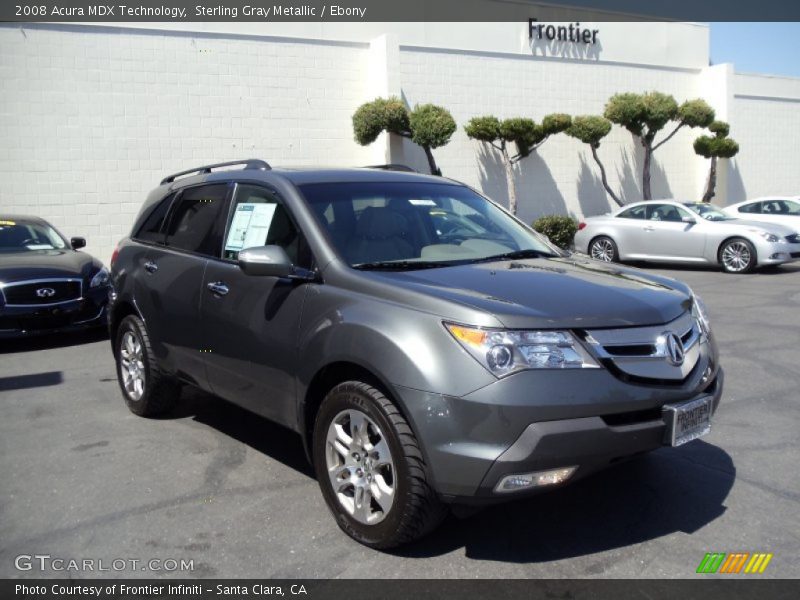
503	351
770	237
700	313
100	279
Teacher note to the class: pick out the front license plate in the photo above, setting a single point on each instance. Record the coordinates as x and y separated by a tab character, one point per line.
687	421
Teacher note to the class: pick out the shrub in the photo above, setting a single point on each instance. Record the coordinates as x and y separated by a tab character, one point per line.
560	229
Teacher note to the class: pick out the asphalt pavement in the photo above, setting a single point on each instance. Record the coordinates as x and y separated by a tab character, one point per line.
231	494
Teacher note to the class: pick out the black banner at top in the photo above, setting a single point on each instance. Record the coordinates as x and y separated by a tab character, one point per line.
394	10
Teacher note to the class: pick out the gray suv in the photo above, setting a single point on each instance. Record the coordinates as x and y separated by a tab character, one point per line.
430	349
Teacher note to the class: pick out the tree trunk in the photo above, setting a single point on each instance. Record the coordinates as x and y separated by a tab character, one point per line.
712	181
431	162
512	188
604	179
648	155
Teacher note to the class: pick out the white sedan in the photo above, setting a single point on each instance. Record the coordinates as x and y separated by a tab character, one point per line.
686	232
772	209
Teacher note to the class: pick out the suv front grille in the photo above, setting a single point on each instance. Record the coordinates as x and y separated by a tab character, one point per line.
639	354
41	292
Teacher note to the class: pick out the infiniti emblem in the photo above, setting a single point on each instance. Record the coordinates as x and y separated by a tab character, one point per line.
45	292
674	348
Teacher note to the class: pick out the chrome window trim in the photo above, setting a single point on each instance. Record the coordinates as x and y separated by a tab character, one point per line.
3	286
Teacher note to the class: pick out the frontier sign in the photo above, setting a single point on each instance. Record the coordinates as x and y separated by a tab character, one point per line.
561	33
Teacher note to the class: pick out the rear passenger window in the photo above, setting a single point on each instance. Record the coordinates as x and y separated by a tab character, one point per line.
152	229
637	212
194	225
753	208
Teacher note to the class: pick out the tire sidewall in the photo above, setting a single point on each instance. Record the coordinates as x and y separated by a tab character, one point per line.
345	397
753	256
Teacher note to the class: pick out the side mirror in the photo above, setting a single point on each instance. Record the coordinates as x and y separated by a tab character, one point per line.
688	219
77	242
265	261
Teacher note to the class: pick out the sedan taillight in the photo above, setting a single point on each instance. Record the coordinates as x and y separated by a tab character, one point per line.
114	256
581	225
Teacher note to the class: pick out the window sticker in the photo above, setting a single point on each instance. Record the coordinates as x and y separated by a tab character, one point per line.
250	225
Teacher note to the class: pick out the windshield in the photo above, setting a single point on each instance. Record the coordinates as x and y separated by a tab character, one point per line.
418	225
709	212
26	236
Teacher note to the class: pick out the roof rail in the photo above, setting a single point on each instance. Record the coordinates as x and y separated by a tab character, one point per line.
392	167
254	164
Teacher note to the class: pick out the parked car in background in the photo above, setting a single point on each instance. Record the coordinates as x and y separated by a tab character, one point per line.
784	210
46	283
690	232
424	360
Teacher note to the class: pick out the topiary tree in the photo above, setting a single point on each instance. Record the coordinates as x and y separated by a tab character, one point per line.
429	126
719	146
525	134
645	115
591	129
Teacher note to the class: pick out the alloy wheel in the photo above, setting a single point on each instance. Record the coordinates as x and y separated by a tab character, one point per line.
603	250
736	256
360	466
132	365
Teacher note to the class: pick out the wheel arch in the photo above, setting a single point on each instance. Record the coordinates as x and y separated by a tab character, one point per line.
325	379
119	311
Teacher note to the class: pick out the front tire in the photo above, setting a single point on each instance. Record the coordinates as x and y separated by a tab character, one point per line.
737	255
604	249
371	470
147	391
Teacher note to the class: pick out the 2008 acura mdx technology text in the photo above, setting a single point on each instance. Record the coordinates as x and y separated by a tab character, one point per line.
429	348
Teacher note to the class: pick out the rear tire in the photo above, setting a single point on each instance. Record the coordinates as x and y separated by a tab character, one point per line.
371	470
147	391
737	255
604	249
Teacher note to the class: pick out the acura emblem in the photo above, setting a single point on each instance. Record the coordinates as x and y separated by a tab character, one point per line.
674	348
45	292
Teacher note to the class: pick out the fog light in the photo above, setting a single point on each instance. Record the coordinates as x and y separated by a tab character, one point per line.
780	256
523	481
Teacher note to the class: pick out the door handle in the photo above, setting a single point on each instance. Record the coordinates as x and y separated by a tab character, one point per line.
150	266
649	228
218	288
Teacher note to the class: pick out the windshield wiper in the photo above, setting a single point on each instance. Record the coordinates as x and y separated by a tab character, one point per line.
517	254
400	265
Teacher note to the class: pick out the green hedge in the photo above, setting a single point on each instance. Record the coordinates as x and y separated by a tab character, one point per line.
560	229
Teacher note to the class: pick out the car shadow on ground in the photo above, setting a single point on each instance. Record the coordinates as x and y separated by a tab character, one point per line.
668	491
262	435
53	340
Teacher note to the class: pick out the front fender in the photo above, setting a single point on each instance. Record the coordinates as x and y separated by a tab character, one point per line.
399	345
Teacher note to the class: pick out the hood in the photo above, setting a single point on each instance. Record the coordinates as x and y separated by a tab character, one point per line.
553	293
42	264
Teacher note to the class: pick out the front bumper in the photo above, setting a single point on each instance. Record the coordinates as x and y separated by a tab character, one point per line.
26	321
539	420
776	253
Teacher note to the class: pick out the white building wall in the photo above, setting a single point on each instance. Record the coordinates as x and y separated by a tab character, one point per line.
92	118
766	123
